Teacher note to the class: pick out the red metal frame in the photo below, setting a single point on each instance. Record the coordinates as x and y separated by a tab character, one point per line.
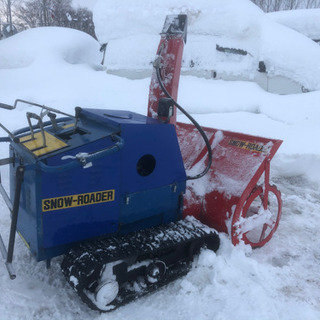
170	50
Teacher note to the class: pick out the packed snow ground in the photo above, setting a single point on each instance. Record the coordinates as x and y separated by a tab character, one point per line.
279	281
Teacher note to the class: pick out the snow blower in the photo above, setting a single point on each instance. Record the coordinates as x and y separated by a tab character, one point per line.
128	200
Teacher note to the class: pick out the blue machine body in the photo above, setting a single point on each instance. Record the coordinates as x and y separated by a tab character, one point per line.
63	201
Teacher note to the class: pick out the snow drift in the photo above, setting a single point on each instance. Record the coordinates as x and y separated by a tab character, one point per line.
133	28
48	44
305	21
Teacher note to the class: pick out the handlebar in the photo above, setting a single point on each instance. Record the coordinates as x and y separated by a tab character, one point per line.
9	107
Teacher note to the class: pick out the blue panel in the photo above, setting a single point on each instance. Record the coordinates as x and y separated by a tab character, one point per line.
116	117
142	209
86	221
146	177
159	141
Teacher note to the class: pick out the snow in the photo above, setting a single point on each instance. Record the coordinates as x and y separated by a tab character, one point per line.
45	44
304	21
84	3
236	24
60	68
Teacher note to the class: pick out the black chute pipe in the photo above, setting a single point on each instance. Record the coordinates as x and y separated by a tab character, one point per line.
195	123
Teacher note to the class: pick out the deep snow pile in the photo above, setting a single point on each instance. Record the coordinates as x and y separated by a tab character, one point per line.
278	281
48	44
304	21
132	28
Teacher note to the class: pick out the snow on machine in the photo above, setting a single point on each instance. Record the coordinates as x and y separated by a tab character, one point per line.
117	193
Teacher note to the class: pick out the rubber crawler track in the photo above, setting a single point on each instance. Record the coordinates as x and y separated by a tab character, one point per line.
175	244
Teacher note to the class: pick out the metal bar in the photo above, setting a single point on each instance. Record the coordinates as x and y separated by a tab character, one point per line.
40	124
266	184
11	271
41	106
6	161
6	106
30	125
42	133
15	211
45	124
7	131
52	117
6	197
4	254
5	139
3	249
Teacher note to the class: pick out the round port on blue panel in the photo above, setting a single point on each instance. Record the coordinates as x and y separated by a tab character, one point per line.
146	165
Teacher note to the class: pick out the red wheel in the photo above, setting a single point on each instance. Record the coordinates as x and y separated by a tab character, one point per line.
255	225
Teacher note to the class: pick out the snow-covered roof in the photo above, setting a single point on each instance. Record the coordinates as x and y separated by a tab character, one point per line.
116	19
132	29
305	21
54	44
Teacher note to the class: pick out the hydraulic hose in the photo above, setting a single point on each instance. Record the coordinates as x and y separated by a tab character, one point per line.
195	123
